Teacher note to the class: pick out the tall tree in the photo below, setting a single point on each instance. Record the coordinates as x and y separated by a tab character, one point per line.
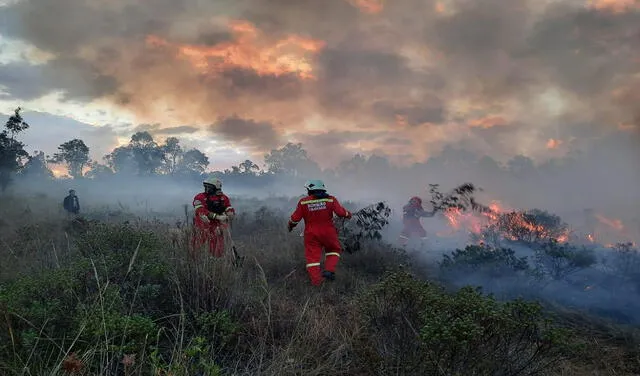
142	155
173	152
75	154
248	167
291	159
146	152
12	154
36	167
193	162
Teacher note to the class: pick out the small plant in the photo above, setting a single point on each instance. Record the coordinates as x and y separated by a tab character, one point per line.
365	224
561	260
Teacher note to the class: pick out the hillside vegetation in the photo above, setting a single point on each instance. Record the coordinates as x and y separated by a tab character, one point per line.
120	295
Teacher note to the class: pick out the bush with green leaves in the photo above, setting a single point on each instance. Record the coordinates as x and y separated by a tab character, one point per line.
415	327
559	260
484	259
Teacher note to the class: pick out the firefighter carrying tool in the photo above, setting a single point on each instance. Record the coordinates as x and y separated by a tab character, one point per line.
317	210
411	214
213	211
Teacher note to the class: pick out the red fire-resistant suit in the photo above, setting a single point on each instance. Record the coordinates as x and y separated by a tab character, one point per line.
317	211
411	214
210	205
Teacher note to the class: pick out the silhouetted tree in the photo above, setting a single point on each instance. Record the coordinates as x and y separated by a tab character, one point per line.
291	159
36	167
173	152
97	170
192	162
141	155
248	167
12	153
75	154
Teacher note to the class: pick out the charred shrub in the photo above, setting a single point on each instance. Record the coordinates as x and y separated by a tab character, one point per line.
416	327
490	261
558	260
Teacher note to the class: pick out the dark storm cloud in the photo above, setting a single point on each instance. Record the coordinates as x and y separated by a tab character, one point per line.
411	61
260	134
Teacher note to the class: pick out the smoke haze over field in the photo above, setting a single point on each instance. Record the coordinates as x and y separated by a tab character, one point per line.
470	85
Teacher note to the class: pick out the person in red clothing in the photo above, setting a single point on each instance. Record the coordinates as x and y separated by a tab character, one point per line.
411	214
317	210
213	211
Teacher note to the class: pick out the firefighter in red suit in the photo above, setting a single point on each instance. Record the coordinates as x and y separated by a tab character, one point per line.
317	210
213	211
411	214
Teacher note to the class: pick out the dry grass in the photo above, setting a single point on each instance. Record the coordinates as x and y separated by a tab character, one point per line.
280	324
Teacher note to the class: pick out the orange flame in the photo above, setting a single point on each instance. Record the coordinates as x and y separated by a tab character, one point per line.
368	6
488	122
249	50
553	143
613	223
614	6
507	219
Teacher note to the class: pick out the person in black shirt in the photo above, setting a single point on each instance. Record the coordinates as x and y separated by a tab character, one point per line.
71	203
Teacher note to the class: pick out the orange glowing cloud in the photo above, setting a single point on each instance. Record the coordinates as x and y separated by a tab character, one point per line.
553	143
368	6
488	122
250	49
615	6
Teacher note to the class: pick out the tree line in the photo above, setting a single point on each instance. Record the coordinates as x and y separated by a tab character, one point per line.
144	156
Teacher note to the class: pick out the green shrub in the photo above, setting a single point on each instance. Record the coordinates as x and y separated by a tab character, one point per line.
494	262
559	260
415	327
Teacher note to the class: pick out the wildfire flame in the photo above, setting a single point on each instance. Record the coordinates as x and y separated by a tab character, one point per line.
612	223
249	50
507	222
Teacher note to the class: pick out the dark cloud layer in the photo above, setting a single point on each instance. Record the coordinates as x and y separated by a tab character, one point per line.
260	135
405	67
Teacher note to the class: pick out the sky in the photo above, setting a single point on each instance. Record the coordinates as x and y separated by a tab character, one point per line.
402	78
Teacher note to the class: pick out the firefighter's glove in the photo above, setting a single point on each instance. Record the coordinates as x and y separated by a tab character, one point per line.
349	215
291	226
204	218
222	218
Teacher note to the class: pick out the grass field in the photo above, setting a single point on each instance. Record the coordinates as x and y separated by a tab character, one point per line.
116	293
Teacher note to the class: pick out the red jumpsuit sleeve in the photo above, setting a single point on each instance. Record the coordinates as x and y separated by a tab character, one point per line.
200	205
297	214
339	209
227	205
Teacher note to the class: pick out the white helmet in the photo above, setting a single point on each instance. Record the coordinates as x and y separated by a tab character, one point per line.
215	182
313	185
